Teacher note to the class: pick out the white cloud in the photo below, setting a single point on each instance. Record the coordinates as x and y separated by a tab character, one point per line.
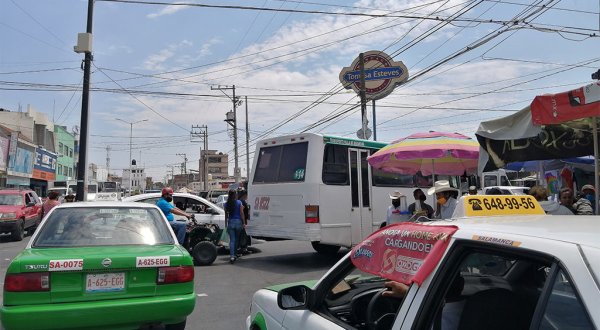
168	10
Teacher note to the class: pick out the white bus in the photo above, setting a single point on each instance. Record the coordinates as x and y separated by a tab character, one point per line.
321	189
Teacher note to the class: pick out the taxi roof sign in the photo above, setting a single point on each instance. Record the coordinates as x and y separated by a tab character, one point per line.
493	205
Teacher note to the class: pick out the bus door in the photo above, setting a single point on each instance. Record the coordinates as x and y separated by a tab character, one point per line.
360	187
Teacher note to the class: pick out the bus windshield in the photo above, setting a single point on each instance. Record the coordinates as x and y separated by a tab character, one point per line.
285	163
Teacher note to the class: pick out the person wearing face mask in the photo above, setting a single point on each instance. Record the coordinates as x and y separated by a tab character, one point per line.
164	204
419	207
446	202
395	212
585	201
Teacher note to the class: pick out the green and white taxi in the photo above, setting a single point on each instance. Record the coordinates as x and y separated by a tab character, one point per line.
100	265
502	264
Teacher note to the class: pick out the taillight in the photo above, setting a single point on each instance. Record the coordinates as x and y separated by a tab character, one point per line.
27	282
311	213
180	274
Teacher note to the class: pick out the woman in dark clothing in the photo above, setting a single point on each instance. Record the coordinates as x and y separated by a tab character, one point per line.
234	222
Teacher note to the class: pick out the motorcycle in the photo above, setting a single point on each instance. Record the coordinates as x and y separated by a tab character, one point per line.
202	240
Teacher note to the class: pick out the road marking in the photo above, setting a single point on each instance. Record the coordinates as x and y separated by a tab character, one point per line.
202	295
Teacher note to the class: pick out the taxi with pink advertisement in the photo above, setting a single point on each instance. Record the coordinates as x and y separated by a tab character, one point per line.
100	265
499	263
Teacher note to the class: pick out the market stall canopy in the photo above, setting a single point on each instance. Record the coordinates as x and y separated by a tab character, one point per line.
517	138
429	153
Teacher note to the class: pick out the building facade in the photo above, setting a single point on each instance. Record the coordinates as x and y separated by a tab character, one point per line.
65	164
134	181
215	164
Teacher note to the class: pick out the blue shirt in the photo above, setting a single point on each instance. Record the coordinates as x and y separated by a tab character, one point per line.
166	208
236	211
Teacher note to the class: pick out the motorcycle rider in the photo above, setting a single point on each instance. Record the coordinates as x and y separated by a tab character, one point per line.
164	204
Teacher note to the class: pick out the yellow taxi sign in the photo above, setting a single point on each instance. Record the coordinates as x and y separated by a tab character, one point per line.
486	205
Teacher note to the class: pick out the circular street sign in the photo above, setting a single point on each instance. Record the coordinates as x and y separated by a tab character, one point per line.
382	75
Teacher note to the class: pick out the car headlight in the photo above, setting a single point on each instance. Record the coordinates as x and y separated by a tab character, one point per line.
8	215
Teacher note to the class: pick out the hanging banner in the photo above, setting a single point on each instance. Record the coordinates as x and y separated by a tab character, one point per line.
583	102
404	252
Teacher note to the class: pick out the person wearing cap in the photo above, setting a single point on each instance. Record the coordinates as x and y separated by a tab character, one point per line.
446	202
164	204
585	201
550	207
419	206
394	212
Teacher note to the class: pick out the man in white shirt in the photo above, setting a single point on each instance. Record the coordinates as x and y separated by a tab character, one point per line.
398	211
446	202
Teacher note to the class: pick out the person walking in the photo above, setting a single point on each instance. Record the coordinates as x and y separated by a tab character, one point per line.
446	201
234	222
50	203
164	204
244	239
419	207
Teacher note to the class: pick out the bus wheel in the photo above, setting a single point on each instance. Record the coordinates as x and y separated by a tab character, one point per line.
325	248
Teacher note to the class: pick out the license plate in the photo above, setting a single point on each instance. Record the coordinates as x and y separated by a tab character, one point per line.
105	282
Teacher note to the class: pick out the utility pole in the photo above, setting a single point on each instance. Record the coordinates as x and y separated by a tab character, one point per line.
171	171
200	134
231	119
107	162
85	100
247	143
184	168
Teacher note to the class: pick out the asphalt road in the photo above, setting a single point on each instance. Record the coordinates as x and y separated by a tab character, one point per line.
224	291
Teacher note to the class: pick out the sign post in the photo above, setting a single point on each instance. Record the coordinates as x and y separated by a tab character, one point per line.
372	75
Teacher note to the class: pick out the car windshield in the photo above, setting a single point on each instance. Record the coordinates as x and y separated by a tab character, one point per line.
11	200
101	226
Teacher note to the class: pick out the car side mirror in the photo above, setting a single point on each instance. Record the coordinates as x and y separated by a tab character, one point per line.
294	297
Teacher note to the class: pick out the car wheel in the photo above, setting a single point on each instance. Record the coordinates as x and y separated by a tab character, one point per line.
325	248
204	253
176	326
19	232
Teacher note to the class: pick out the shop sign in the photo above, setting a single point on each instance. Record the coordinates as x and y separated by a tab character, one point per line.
21	163
45	165
3	152
382	75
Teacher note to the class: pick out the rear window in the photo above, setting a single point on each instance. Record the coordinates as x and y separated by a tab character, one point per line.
100	226
11	200
286	163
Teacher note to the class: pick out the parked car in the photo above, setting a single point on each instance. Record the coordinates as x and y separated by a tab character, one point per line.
20	212
100	265
203	210
507	190
503	269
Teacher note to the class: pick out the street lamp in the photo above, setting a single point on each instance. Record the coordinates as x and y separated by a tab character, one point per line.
130	143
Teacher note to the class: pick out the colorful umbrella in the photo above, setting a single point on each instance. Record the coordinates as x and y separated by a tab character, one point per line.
430	153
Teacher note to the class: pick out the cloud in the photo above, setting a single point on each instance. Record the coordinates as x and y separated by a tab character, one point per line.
168	10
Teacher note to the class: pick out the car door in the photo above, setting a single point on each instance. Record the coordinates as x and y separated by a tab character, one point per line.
29	210
491	286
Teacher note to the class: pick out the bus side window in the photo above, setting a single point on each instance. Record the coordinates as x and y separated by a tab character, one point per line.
335	165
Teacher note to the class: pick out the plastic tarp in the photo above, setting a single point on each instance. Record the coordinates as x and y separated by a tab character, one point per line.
516	138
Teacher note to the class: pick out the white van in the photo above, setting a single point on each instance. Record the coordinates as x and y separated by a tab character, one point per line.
321	189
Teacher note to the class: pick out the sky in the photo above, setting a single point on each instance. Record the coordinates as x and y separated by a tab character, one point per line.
160	65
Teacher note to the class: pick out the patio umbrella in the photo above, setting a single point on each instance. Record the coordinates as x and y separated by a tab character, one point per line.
430	153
